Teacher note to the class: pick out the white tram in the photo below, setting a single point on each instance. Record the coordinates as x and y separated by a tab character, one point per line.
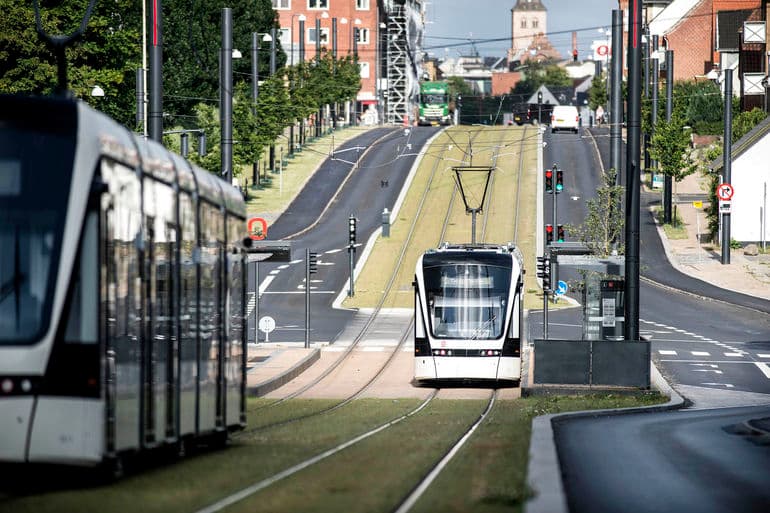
468	314
121	291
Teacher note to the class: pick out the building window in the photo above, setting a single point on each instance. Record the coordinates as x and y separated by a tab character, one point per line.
362	5
284	35
281	4
363	36
324	36
534	23
317	4
523	23
363	68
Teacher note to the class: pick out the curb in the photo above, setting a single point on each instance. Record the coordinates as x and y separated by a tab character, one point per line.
544	472
278	381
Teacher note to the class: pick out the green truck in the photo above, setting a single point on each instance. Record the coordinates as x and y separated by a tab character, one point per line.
434	104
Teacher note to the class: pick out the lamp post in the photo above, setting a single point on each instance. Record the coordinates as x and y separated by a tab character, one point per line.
255	87
301	18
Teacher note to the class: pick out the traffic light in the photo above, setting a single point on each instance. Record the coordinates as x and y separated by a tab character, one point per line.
540	97
351	230
559	233
312	262
548	233
544	271
559	180
548	181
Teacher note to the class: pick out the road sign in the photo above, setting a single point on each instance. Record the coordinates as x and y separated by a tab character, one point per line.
257	228
561	288
267	324
697	204
725	207
725	191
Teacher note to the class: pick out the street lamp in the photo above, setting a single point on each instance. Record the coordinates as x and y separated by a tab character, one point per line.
301	18
255	86
97	91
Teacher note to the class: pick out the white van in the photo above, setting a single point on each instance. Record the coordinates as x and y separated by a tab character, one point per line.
565	117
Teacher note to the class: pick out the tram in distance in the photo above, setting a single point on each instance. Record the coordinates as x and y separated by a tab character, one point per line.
121	292
469	314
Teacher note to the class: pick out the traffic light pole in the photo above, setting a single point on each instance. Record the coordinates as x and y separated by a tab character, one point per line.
307	298
351	251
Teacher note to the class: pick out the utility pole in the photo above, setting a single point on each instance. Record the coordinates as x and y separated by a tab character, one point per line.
668	182
654	112
226	95
727	149
616	111
631	307
155	113
255	96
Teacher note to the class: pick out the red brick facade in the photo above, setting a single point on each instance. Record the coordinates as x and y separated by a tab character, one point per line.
349	14
502	83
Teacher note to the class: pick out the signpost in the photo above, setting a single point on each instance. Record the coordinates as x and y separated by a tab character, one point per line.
267	324
561	288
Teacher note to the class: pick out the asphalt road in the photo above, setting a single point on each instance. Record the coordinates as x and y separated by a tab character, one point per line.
686	461
320	212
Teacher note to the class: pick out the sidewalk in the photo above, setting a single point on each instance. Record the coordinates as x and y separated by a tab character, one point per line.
746	274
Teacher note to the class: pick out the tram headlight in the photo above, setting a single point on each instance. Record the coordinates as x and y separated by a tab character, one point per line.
26	385
7	386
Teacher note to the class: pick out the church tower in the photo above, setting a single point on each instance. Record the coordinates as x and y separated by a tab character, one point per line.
528	19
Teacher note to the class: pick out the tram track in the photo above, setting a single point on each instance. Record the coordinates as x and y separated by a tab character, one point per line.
408	501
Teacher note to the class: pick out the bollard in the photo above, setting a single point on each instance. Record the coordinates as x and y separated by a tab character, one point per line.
385	223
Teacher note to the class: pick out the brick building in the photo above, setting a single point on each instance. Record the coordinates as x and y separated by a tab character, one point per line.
357	25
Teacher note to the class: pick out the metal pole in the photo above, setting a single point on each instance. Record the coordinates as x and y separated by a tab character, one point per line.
155	113
351	250
616	111
226	95
654	111
668	183
254	94
307	298
272	51
631	310
473	226
301	61
256	300
554	170
727	150
140	98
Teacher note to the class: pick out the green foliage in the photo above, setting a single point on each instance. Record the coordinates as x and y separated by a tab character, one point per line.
546	73
458	86
669	146
745	121
106	55
603	225
597	94
191	47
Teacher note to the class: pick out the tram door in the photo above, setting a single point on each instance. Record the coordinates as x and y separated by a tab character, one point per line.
108	316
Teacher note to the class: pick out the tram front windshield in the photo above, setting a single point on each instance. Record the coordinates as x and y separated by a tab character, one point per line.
467	301
35	174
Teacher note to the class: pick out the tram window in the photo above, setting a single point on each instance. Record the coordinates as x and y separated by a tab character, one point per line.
467	301
82	320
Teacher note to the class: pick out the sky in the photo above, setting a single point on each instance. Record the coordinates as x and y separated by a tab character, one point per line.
491	19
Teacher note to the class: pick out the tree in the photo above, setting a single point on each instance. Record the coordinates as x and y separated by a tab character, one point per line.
106	55
191	47
669	146
603	226
546	73
597	94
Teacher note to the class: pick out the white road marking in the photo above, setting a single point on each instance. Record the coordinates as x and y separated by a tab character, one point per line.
313	291
284	266
700	353
726	385
734	354
296	261
760	355
764	368
332	251
274	272
708	370
265	284
667	352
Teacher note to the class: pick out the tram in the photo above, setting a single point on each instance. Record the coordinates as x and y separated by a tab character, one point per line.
121	291
468	314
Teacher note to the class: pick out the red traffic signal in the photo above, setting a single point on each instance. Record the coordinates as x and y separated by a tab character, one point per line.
548	180
548	233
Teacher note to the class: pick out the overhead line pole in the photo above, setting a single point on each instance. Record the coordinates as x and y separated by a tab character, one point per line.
631	307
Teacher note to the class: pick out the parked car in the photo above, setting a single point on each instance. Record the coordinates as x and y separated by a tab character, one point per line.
565	117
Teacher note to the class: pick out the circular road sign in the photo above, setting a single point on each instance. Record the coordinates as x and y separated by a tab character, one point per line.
603	50
725	191
267	324
257	228
561	288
